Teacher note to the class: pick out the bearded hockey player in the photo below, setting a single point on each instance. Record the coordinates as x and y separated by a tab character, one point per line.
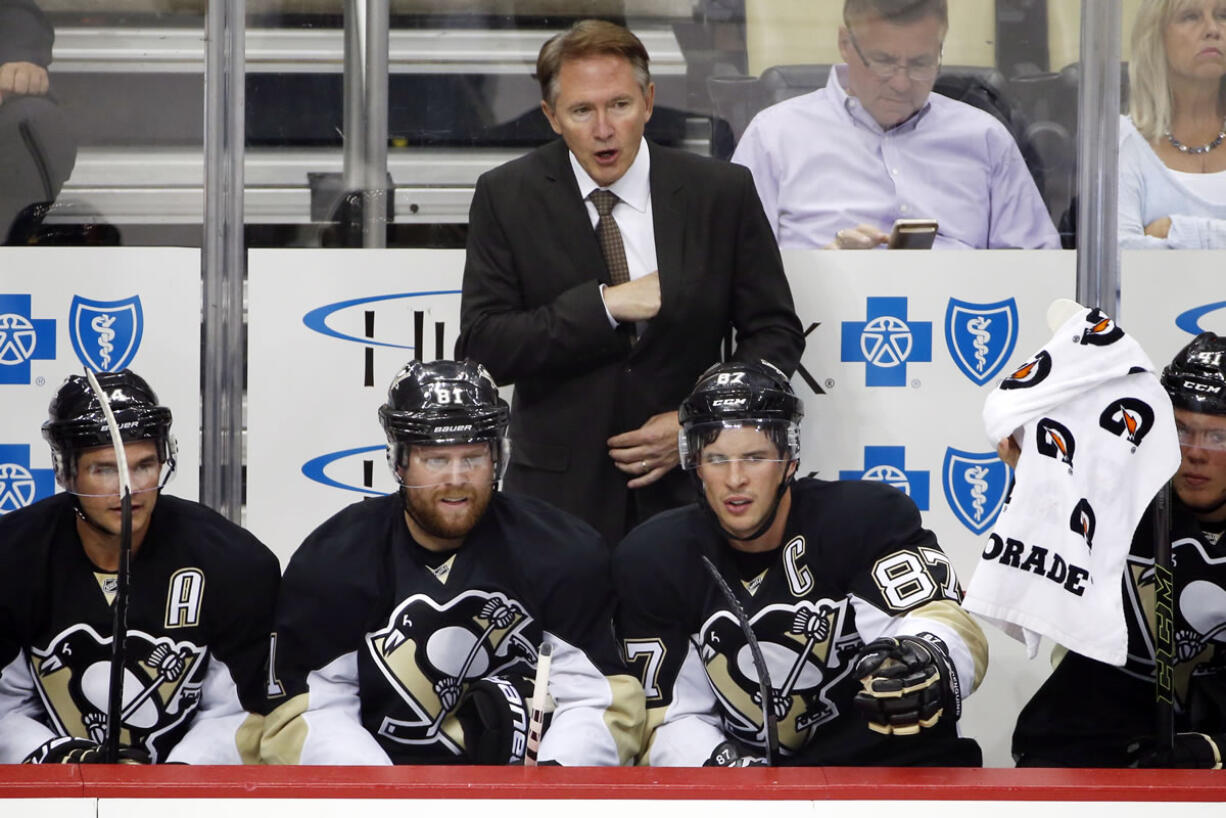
1090	714
823	604
200	605
408	626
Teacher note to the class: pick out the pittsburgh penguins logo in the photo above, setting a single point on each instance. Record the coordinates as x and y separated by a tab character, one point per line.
1055	440
1083	522
162	680
806	653
1100	330
1128	418
1199	619
1031	373
430	653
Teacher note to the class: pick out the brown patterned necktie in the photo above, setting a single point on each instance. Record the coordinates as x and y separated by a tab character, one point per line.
610	237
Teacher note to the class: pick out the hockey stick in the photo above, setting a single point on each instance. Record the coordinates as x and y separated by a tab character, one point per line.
765	690
540	688
1164	627
119	626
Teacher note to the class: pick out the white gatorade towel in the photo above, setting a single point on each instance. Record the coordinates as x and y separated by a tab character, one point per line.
1097	434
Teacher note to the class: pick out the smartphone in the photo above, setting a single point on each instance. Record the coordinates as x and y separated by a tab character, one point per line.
913	234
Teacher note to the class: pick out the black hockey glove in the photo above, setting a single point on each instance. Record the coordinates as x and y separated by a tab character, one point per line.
70	750
734	754
909	683
1192	751
494	713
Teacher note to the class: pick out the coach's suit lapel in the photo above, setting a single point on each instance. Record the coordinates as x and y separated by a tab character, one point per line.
566	215
668	206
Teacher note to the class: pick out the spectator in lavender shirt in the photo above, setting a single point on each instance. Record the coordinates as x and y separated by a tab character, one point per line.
836	167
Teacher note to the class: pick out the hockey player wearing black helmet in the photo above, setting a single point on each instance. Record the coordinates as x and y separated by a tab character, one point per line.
408	626
199	610
1089	714
84	459
447	444
790	621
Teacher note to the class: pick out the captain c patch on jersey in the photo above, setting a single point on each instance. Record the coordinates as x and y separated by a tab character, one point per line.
429	653
806	653
161	686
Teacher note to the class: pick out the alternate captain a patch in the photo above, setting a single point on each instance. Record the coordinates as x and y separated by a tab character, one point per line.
430	652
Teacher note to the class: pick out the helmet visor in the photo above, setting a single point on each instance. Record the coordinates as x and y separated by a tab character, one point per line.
423	465
1212	438
715	444
100	477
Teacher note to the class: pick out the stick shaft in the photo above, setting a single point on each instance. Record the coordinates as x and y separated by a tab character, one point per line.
540	690
1164	626
119	622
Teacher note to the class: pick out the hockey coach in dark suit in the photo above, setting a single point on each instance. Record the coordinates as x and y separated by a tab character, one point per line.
602	274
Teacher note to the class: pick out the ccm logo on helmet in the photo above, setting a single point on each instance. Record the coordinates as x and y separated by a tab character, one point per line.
1201	387
729	402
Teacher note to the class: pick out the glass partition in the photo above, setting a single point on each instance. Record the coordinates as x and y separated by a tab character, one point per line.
118	160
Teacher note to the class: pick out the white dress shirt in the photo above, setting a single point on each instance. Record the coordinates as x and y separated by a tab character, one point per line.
632	212
821	163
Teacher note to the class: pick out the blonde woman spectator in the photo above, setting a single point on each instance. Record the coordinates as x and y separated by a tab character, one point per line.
1173	144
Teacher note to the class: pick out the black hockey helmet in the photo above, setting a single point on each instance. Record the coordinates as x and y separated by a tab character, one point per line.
736	394
76	421
444	403
1196	378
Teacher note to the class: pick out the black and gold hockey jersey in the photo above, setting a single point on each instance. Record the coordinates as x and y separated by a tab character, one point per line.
375	644
1087	713
854	565
200	613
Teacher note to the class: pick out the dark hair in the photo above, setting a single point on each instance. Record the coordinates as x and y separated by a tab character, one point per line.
894	11
589	38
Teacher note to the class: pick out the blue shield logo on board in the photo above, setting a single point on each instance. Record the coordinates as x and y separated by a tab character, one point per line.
106	334
980	337
976	485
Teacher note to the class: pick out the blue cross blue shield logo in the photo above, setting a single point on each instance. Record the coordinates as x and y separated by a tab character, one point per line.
980	337
23	338
887	464
106	334
976	485
886	341
21	485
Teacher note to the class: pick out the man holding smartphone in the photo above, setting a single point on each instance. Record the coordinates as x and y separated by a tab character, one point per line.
838	167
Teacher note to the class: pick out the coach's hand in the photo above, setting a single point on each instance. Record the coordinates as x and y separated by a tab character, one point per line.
648	452
636	300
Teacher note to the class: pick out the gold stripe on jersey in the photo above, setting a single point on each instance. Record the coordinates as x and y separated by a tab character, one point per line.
951	614
285	734
655	717
626	716
247	738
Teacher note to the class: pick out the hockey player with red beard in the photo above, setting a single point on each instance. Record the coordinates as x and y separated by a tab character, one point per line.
408	626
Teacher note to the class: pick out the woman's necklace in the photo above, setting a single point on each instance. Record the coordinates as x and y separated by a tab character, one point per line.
1182	148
